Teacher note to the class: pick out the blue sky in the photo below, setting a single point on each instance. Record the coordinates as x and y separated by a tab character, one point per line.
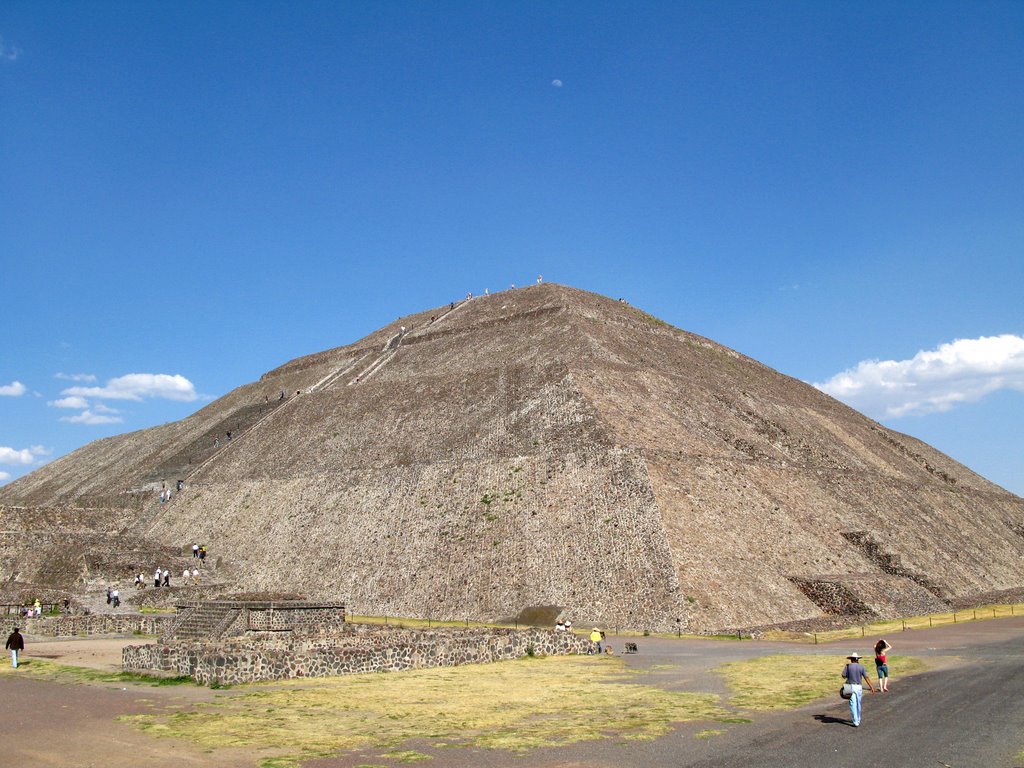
193	193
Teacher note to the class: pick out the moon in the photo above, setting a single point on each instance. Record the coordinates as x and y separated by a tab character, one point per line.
556	83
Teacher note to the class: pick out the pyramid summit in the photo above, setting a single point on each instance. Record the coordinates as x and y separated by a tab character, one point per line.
539	449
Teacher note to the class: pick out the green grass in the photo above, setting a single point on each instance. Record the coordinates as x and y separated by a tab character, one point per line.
790	681
64	673
407	756
894	626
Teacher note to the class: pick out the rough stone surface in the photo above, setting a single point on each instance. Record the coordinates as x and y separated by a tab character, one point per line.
234	661
213	619
540	447
103	624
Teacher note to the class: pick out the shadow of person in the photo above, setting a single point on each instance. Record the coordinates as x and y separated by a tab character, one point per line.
829	720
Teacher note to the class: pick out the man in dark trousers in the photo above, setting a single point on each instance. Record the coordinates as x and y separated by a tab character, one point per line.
16	644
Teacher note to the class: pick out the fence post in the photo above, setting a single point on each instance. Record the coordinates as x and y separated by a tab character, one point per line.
954	617
862	630
975	615
815	638
904	625
929	622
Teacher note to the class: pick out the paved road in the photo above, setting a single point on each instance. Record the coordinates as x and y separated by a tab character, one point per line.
968	715
971	715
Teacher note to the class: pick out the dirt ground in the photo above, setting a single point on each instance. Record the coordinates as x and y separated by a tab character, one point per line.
74	724
94	652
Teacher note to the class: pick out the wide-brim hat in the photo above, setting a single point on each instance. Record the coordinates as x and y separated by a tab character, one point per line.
855	656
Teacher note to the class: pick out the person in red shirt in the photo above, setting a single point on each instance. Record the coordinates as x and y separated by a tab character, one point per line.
881	667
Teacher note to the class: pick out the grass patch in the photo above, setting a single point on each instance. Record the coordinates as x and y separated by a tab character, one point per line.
63	673
894	626
407	756
707	734
788	682
516	705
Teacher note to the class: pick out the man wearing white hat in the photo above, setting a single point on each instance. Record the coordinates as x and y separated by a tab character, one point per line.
855	675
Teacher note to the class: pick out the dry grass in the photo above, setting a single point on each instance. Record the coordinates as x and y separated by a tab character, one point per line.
66	673
893	626
790	681
518	706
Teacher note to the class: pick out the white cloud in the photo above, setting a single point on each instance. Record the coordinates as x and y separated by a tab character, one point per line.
69	402
9	52
138	386
89	417
962	371
14	389
4	476
24	456
101	408
86	377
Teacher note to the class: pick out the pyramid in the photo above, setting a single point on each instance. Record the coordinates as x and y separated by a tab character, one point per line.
540	451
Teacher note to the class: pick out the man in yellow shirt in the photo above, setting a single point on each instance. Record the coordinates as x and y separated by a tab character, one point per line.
595	637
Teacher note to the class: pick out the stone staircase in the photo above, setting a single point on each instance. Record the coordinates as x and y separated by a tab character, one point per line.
203	621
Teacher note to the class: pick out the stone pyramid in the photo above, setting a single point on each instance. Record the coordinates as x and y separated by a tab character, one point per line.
540	451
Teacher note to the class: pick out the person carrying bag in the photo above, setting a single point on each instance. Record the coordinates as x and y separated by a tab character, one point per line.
855	676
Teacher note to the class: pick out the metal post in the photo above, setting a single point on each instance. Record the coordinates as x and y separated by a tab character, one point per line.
904	625
929	622
815	638
975	615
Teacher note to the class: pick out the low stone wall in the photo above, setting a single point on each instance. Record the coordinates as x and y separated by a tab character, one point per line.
96	624
275	617
247	661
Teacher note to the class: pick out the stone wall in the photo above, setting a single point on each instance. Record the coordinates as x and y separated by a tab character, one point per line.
96	624
276	617
247	661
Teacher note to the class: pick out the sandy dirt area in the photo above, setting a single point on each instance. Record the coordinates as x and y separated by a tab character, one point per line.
75	725
94	652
